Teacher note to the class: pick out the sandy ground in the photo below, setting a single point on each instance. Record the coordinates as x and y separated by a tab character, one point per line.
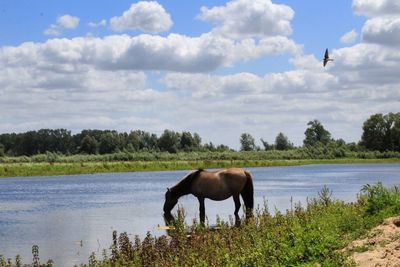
380	248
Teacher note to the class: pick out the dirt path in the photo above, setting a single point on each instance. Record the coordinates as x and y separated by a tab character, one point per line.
380	248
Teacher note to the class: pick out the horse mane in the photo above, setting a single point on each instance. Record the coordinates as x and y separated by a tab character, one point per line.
183	186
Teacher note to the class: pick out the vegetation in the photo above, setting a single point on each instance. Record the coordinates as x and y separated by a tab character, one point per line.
301	236
55	164
316	133
50	152
380	133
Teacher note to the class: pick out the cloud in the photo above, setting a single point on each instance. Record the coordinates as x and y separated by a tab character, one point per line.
147	16
373	8
101	23
63	22
68	21
53	30
382	30
243	19
174	52
349	37
154	82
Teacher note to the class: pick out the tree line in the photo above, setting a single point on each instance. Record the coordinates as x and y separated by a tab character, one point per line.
380	133
99	142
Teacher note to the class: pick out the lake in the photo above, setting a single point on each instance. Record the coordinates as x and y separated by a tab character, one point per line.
70	216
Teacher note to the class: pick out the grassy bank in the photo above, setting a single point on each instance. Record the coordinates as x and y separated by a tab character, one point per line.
303	236
309	234
88	167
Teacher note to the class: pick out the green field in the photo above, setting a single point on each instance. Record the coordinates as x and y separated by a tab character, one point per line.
88	167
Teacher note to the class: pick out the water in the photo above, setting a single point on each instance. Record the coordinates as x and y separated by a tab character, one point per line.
70	216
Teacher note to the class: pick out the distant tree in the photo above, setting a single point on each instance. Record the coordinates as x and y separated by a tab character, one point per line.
169	141
140	140
109	142
196	141
9	142
133	141
247	142
282	142
382	132
266	145
316	133
89	145
189	142
2	152
222	148
209	146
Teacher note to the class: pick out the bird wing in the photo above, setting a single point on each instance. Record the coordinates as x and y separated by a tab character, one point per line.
326	54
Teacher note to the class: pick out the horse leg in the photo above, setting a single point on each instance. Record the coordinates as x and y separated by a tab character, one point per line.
237	203
236	199
202	210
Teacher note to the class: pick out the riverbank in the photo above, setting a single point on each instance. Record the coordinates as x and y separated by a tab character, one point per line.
90	167
314	235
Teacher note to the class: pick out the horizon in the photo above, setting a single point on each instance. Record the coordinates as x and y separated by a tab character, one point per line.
202	67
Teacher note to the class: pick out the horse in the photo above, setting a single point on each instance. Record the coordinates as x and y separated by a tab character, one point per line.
218	185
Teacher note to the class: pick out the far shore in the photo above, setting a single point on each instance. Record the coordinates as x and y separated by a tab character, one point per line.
61	168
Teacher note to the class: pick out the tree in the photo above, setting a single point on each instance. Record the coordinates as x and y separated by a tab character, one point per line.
189	142
169	141
109	142
247	142
282	142
89	145
316	133
382	132
2	152
266	145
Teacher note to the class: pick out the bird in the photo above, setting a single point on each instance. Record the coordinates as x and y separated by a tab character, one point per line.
326	57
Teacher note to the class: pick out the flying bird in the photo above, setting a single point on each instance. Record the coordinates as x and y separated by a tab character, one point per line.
326	57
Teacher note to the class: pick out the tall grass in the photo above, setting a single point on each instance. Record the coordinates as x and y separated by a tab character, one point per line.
301	236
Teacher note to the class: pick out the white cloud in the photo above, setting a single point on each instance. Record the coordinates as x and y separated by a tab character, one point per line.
349	37
382	30
68	21
101	23
257	18
148	52
372	8
147	16
63	22
89	82
52	30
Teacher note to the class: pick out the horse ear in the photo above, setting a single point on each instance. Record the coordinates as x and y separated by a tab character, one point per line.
168	189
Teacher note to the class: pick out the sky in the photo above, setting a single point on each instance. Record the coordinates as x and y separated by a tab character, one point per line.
218	68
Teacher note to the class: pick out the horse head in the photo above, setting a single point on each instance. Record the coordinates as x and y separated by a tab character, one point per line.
170	201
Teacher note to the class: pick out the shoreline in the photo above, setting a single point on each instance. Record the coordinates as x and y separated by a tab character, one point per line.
9	170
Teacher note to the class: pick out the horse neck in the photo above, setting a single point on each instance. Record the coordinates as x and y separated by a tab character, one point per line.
179	190
184	186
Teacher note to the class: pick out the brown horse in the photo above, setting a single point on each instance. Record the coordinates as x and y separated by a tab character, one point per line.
218	185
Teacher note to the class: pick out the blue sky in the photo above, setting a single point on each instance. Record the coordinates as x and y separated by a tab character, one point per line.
253	65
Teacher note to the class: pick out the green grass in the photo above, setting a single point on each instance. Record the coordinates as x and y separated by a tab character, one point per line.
87	167
303	236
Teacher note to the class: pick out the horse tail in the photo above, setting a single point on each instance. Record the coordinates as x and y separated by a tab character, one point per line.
248	193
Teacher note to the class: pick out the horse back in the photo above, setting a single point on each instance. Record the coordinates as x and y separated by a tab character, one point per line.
220	185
